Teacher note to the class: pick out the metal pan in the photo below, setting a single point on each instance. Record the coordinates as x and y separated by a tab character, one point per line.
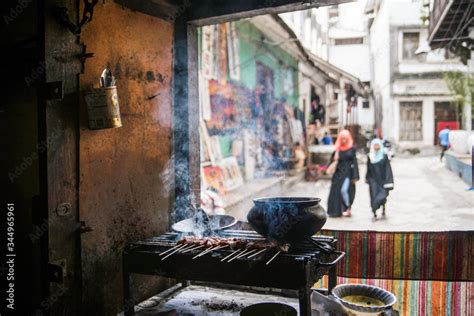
203	227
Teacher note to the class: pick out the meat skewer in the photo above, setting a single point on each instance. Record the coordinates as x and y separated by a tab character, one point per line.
176	250
220	247
257	253
211	250
268	262
248	253
233	253
239	255
242	247
204	252
243	254
201	253
193	248
188	246
171	249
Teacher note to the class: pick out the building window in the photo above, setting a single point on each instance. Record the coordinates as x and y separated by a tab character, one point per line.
411	121
365	104
411	42
349	41
333	12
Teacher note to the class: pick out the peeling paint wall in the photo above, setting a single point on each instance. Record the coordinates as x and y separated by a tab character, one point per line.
120	186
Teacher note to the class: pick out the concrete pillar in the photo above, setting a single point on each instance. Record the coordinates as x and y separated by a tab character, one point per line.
467	107
467	115
428	122
470	62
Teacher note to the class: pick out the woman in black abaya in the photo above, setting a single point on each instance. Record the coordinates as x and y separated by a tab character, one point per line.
343	181
379	176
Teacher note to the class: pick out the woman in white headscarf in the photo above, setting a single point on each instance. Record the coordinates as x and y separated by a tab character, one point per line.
379	176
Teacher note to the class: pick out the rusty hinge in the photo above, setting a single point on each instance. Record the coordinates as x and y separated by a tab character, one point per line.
57	271
83	228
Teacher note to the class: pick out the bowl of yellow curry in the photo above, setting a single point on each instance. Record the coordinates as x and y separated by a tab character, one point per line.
364	298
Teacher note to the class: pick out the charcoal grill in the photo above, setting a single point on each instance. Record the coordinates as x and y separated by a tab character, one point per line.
298	269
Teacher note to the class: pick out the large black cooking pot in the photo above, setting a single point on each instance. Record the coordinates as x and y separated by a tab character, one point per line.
287	219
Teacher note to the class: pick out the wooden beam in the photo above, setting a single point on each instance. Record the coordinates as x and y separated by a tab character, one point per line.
204	12
159	9
193	118
185	115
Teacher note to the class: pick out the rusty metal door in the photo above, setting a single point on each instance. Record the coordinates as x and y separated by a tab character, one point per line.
411	121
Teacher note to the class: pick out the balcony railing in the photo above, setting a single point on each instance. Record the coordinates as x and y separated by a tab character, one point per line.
439	6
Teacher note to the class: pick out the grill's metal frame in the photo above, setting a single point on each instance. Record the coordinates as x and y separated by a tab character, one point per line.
297	270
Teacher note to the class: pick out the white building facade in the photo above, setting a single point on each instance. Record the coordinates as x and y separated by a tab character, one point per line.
349	50
338	36
411	96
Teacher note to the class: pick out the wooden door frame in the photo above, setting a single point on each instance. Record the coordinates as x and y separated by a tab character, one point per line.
191	15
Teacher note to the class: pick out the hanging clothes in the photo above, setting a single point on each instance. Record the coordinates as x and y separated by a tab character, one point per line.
342	193
379	176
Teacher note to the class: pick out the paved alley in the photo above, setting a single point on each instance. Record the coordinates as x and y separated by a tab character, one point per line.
427	197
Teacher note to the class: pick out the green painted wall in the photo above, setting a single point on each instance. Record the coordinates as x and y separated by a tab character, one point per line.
253	49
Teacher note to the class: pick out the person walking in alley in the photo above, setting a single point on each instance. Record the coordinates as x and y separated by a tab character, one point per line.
444	140
379	176
318	111
346	174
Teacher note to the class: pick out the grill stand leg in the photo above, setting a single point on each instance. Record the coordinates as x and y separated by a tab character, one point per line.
304	293
332	279
128	301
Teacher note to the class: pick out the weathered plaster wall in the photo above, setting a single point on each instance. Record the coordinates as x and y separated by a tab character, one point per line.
252	50
121	190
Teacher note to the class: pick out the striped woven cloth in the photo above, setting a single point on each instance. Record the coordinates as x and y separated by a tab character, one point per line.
441	256
423	298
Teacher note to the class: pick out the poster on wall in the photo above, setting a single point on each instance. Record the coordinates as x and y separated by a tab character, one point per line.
223	113
296	130
213	178
204	98
222	54
231	174
233	51
207	144
207	56
216	148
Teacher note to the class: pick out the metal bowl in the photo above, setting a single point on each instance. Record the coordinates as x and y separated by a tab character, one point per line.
343	291
215	223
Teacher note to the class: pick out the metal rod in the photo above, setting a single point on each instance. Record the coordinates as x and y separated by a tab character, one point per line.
257	253
176	250
271	259
171	249
193	248
236	251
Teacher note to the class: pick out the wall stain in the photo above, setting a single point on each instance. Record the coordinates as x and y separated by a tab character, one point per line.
150	76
